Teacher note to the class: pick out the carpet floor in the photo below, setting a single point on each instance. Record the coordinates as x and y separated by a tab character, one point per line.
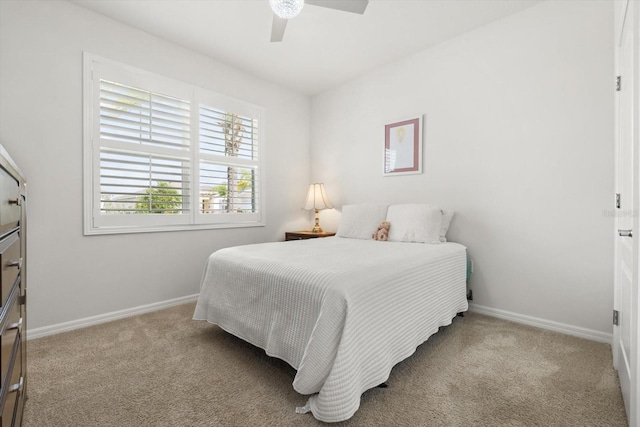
164	369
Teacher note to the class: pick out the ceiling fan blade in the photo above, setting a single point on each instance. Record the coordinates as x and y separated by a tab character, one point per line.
277	28
354	6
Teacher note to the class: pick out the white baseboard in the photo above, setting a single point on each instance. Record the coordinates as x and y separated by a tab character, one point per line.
107	317
563	328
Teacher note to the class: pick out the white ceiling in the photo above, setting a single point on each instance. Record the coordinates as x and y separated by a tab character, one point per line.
322	48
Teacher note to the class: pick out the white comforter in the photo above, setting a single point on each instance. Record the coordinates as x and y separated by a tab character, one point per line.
341	311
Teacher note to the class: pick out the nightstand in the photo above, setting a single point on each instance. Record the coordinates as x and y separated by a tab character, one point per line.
302	235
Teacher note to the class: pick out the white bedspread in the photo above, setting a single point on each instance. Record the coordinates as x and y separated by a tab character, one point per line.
341	311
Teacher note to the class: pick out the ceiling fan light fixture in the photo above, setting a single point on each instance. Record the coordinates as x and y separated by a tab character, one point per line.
286	9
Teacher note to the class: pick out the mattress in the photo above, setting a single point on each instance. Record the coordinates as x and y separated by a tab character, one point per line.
341	311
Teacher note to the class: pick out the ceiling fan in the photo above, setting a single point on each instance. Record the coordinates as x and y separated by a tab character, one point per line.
283	10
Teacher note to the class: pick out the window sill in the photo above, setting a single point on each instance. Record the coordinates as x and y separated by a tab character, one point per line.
96	231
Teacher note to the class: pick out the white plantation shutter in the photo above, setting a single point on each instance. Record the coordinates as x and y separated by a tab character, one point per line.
229	177
132	182
139	132
165	155
143	117
218	128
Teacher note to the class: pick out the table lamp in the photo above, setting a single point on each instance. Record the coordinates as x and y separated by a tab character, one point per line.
317	200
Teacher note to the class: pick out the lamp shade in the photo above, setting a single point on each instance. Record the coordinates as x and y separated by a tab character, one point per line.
317	198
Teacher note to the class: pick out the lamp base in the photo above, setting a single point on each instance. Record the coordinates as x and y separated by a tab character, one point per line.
317	228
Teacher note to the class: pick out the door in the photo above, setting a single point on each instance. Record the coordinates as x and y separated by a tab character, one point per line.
625	333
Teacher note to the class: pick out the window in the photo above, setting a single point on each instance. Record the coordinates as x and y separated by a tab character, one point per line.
164	155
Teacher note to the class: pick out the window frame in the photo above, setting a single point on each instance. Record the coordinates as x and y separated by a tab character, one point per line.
96	223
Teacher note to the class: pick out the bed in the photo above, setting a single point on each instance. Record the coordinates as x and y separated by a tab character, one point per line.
341	311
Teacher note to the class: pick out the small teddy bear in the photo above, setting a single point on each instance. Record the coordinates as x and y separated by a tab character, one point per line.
383	231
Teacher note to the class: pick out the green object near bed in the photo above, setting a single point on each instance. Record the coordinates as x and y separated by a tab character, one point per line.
468	267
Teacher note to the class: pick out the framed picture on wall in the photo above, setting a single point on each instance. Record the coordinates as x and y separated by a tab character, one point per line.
403	147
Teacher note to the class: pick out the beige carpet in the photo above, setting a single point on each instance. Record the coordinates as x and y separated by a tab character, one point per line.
164	369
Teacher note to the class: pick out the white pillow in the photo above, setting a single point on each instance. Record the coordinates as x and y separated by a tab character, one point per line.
361	221
414	223
447	216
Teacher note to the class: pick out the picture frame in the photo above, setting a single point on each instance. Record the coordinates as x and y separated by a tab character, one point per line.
403	147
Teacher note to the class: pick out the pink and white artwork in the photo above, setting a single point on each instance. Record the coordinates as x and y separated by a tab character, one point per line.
403	147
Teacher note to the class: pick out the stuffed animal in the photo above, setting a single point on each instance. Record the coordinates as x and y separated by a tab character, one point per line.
383	231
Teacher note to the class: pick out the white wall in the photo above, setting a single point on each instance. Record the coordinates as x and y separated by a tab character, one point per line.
72	276
518	140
